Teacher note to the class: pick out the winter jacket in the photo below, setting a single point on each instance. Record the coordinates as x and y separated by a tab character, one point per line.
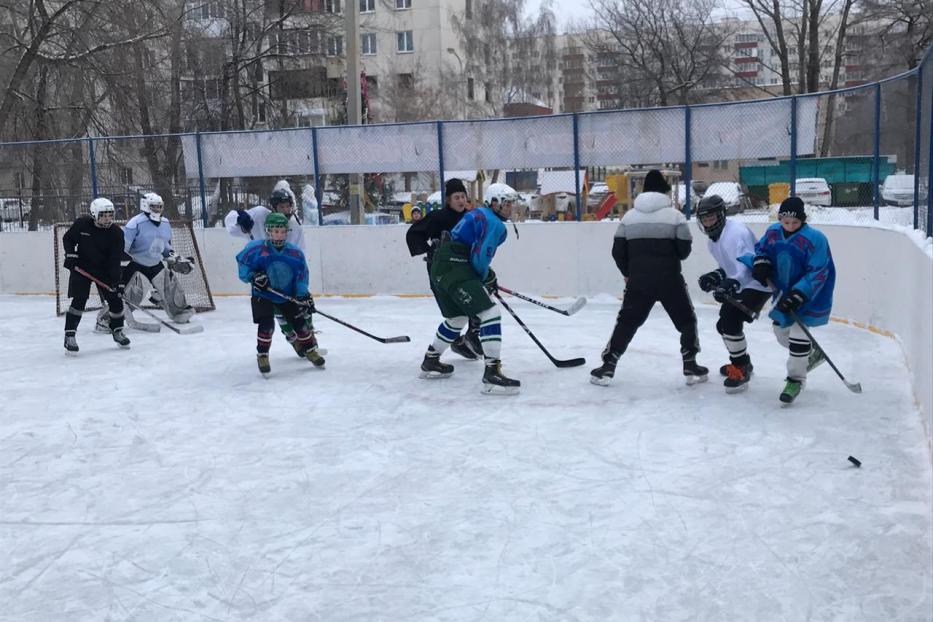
652	239
99	249
482	230
423	235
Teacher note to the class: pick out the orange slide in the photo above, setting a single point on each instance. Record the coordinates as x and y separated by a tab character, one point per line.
606	206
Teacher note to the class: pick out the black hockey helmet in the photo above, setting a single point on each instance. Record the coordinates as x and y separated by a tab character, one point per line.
712	204
280	196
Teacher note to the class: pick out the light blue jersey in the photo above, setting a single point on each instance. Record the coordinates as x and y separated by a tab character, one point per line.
483	232
145	241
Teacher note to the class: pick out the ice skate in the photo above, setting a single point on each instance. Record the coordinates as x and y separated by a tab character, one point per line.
431	366
497	383
605	372
71	345
120	339
724	370
694	373
314	355
461	347
262	359
791	390
737	378
473	342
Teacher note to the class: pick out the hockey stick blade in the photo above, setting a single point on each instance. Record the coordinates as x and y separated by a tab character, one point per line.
569	362
557	362
578	304
399	339
189	329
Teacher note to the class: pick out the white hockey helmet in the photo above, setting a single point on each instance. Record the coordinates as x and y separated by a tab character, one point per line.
152	204
100	208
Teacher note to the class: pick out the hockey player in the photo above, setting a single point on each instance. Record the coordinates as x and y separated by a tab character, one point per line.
93	244
147	239
251	224
795	259
423	238
274	263
651	242
729	240
462	281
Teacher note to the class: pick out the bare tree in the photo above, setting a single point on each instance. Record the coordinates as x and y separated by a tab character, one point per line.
665	48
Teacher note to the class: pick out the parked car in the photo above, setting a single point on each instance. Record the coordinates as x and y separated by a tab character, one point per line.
899	190
682	196
814	191
13	209
732	194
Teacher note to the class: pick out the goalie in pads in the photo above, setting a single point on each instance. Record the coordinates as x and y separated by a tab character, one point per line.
147	239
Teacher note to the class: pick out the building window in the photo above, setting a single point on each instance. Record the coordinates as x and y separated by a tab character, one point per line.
469	9
372	85
406	81
334	45
402	4
470	88
405	41
367	6
332	7
368	43
487	88
213	10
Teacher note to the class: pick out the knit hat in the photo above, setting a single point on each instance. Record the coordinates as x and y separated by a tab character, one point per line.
454	185
655	182
792	206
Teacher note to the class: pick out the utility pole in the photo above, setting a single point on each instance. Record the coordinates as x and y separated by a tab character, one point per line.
353	97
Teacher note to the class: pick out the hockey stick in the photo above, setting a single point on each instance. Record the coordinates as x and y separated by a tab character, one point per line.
399	339
738	305
855	387
578	304
181	330
558	362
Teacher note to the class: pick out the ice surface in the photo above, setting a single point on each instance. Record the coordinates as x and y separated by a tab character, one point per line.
172	482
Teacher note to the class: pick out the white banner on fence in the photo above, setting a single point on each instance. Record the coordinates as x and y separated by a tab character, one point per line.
377	148
250	154
751	130
631	137
515	143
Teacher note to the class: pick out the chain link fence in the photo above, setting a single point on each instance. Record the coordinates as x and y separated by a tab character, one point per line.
860	154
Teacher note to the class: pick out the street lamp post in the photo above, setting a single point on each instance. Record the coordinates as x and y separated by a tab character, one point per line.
462	99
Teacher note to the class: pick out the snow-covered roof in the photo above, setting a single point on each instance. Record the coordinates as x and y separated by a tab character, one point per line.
552	182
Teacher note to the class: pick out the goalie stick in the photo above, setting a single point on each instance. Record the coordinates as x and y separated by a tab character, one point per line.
578	304
558	362
399	339
181	330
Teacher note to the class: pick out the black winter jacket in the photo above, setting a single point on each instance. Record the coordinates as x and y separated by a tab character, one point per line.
652	239
422	235
99	249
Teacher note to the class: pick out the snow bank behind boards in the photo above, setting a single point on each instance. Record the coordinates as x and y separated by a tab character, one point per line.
885	280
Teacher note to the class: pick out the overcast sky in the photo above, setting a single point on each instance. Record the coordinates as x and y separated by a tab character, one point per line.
578	10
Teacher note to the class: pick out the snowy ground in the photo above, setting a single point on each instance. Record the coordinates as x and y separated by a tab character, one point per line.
172	482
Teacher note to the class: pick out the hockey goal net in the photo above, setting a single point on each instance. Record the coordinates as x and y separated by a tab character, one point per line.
194	284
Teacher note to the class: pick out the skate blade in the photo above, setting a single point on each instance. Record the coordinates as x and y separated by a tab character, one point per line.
692	380
70	353
495	389
433	375
265	374
738	389
600	382
123	347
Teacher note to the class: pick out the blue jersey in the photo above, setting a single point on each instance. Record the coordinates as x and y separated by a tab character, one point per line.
801	261
286	268
147	242
483	232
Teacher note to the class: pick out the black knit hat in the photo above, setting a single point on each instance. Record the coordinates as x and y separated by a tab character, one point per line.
454	185
655	182
792	206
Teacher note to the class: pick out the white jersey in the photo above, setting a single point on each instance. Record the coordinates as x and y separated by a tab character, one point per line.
145	241
296	234
735	240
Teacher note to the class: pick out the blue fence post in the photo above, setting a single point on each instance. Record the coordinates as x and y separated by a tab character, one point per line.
876	151
688	161
440	158
197	143
318	191
917	138
93	160
576	164
930	171
793	146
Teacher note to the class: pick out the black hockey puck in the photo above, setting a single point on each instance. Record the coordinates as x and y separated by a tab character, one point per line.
855	461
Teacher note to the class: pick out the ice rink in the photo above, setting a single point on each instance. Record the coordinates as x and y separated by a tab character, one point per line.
172	482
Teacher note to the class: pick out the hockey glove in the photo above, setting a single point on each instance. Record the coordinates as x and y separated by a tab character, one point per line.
307	302
71	261
762	269
181	265
729	287
491	283
260	280
711	280
791	301
244	221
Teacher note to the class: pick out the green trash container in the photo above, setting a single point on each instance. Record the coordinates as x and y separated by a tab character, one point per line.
845	194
